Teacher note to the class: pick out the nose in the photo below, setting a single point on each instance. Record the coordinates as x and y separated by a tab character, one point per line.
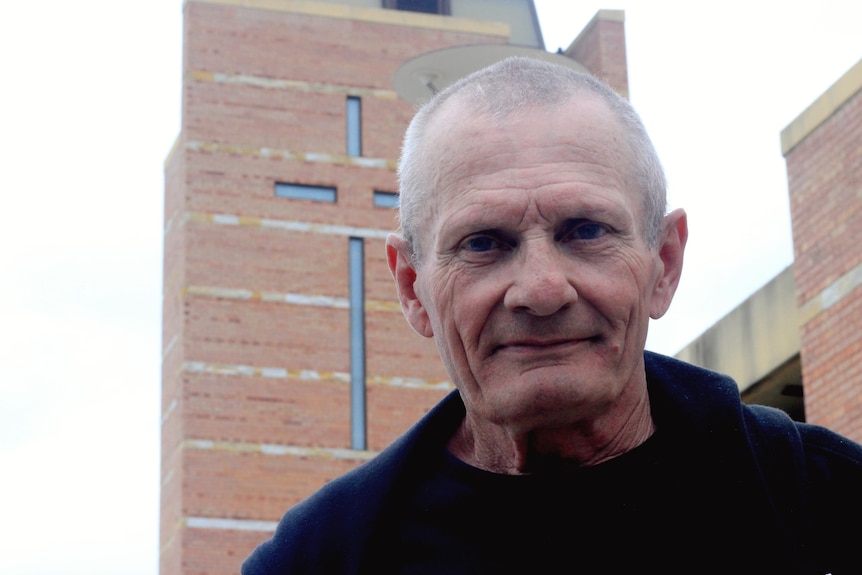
539	282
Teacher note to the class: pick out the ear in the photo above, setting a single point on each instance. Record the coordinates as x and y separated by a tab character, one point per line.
670	255
400	258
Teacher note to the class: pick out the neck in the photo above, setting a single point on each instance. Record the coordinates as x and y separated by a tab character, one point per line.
514	451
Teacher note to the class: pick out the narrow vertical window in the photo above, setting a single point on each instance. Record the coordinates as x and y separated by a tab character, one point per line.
354	126
357	344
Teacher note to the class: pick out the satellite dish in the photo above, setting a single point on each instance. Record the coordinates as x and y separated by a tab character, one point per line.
416	80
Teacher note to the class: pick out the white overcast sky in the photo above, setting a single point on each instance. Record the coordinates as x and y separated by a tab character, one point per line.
89	108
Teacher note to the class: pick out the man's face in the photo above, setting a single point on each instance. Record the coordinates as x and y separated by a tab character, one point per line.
535	279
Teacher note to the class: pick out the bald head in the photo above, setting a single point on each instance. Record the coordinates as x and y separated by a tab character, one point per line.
499	94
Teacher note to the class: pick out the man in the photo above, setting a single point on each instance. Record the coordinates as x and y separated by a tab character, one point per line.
534	249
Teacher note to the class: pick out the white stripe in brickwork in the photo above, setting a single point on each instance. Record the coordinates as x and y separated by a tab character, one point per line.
221	292
225	219
369	162
170	223
274	372
170	346
314	300
832	294
246	294
409	382
327	229
290	298
281	84
171	407
280	450
271	372
230	524
309	375
287	225
320	158
285	154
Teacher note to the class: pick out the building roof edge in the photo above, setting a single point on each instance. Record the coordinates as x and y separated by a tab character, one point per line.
822	108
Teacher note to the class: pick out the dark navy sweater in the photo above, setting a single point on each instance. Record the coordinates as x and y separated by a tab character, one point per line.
721	487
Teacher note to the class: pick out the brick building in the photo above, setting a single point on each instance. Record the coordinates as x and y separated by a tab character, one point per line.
823	153
797	342
286	360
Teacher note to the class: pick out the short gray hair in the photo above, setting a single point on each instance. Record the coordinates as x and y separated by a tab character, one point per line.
511	85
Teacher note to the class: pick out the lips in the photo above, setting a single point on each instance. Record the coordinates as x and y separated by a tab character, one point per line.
528	345
538	343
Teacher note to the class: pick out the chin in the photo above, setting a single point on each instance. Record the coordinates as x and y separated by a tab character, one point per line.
549	404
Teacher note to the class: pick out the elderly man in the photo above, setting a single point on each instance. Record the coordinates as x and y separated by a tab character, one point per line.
534	248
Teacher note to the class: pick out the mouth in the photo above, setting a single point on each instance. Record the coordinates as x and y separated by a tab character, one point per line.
538	345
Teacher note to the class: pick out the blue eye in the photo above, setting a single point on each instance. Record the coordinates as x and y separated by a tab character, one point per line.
481	244
588	231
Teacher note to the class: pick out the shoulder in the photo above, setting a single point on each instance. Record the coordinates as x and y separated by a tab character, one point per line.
329	531
830	455
807	474
688	397
813	475
711	401
819	445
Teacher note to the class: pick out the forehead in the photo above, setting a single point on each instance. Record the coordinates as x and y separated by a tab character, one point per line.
582	110
574	152
583	129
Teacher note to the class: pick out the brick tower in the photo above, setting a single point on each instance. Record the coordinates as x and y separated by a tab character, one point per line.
823	153
286	360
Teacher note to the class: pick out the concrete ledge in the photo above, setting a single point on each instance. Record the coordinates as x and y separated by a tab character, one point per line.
822	108
756	338
378	15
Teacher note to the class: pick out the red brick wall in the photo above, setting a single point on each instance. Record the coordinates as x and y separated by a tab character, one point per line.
825	181
601	47
255	384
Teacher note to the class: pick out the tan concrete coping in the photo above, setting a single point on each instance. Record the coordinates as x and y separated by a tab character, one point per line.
365	14
610	15
756	338
822	108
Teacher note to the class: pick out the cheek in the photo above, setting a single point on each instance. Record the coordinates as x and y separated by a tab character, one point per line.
436	294
618	294
462	304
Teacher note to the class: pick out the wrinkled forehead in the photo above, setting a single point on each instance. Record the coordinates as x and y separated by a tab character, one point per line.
461	113
582	122
581	130
564	136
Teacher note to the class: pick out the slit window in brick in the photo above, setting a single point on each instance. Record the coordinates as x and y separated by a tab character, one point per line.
354	126
305	192
426	6
385	199
358	423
